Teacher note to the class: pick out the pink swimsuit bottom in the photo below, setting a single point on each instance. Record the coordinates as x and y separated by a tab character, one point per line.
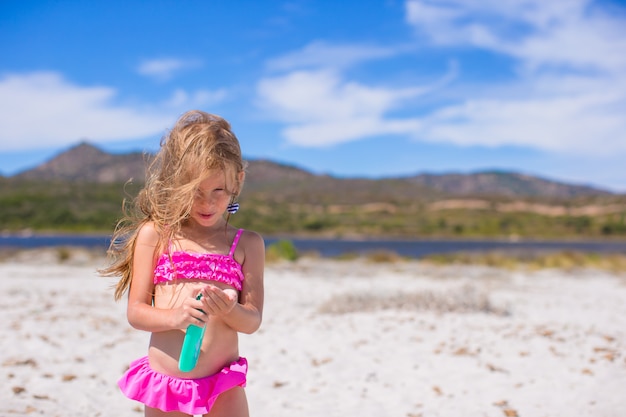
190	396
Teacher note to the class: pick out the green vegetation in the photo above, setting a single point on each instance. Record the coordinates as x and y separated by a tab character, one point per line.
281	250
61	206
567	260
309	211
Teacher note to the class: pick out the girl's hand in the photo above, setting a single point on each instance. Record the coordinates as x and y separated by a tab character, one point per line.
190	313
218	302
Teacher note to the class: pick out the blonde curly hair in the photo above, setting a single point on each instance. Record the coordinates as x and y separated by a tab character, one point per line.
197	145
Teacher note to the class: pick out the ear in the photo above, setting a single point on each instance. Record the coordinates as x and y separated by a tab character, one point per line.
241	177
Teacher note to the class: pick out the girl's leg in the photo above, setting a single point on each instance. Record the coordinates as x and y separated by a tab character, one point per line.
231	403
155	412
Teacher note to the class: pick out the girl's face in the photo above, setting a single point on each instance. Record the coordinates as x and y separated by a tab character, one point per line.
211	200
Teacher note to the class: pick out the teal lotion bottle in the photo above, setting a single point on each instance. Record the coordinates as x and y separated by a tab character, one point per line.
190	351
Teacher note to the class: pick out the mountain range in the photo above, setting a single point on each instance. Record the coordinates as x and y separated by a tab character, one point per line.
86	162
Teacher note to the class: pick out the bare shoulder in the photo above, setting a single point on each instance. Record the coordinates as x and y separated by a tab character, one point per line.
148	235
252	245
250	239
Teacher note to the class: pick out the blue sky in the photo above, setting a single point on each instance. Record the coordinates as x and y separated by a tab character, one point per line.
350	88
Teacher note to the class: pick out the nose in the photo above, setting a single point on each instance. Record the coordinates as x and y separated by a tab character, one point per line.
205	200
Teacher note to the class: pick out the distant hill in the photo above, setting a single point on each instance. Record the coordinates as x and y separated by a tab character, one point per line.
501	183
82	190
87	163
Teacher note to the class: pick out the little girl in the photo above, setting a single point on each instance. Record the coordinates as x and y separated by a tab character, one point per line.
178	246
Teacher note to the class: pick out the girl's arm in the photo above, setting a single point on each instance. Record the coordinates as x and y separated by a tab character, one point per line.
141	314
244	316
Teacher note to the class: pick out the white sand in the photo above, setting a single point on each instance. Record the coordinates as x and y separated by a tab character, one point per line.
339	339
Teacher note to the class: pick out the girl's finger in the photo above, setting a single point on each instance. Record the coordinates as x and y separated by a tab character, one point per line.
218	301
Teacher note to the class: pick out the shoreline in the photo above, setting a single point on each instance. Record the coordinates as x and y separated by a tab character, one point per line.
414	248
508	259
25	234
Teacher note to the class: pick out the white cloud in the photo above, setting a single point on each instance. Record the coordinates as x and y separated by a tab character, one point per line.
565	33
324	55
570	96
165	68
477	22
567	91
42	109
322	109
332	132
579	124
182	98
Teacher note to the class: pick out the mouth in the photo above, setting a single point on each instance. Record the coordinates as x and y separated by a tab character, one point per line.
206	216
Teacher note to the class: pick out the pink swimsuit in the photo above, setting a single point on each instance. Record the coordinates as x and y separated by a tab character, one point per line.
205	266
191	396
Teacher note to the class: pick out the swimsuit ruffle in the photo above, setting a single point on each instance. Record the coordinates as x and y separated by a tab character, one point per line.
204	266
190	396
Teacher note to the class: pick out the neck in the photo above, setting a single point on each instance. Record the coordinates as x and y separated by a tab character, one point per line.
192	228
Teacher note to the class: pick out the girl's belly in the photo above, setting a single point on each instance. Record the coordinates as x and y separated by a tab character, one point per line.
219	349
219	345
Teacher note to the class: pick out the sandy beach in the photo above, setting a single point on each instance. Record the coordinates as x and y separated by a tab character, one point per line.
339	338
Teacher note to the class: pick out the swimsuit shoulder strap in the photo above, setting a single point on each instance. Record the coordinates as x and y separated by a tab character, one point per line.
235	241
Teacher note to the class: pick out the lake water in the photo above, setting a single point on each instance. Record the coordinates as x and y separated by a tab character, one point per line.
335	247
